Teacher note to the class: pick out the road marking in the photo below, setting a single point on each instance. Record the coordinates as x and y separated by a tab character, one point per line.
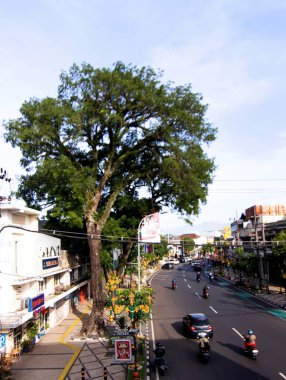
152	332
213	309
189	286
197	294
75	348
185	279
282	375
153	341
238	333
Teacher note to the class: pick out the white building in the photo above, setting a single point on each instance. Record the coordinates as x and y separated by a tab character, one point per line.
38	281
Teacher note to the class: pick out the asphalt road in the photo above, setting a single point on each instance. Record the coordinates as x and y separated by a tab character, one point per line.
232	312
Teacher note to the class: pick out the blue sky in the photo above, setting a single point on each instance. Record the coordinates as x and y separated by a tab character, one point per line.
232	52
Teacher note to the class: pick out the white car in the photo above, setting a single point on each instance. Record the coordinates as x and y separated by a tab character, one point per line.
174	261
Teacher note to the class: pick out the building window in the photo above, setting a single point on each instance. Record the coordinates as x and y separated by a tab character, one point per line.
41	286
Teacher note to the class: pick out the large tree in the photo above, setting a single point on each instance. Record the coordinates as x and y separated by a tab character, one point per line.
109	131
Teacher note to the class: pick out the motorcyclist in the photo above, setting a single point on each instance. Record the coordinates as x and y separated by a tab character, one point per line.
174	283
204	344
198	276
205	290
250	339
159	353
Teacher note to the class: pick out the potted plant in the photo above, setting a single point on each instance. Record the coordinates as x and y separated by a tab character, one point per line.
26	345
32	331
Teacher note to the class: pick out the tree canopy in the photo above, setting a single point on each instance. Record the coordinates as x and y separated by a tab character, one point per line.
109	132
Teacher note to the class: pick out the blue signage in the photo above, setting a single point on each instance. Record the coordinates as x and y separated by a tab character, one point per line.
2	340
50	263
36	302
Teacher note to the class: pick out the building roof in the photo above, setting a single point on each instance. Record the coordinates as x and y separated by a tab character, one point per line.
189	236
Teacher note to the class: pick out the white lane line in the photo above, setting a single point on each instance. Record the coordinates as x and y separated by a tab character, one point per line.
238	333
189	286
185	279
152	331
282	375
213	309
197	294
153	341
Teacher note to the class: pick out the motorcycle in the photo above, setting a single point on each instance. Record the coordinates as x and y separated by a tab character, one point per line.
251	351
205	293
204	355
174	285
161	365
198	277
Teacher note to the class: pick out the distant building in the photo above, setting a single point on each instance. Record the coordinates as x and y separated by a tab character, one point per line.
252	224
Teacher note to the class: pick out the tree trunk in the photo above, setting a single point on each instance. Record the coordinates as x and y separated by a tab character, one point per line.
126	250
95	321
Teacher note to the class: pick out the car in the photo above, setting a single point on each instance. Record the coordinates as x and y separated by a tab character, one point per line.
174	261
197	324
197	268
168	266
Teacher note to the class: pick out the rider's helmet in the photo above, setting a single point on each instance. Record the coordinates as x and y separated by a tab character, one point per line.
250	331
159	345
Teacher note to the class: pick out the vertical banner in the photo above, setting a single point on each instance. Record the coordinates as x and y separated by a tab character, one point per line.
149	229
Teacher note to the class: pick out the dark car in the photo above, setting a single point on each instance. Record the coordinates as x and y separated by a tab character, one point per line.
168	266
196	324
197	268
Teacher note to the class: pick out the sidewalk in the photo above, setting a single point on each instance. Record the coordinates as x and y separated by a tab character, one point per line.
273	296
60	356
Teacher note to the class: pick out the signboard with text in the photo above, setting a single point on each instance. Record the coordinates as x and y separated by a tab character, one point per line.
123	350
36	302
50	263
2	340
149	229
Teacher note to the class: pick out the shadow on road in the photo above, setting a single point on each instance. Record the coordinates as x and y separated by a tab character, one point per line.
232	347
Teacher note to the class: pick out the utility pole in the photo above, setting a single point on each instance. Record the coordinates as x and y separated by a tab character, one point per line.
259	254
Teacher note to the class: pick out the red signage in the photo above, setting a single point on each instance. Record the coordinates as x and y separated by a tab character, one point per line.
123	350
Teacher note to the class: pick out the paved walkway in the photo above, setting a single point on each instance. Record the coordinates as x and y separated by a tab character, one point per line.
275	296
60	356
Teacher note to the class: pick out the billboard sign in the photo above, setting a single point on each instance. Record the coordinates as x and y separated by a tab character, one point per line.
149	229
